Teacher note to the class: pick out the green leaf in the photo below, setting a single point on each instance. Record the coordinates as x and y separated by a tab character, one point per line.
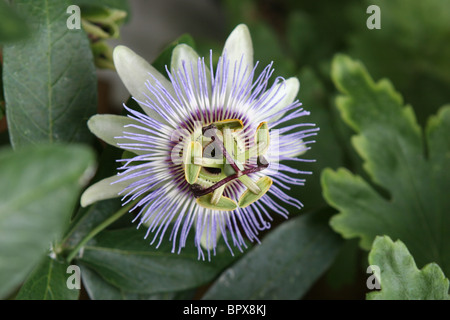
38	189
126	260
49	79
99	289
48	282
285	265
409	196
399	277
12	26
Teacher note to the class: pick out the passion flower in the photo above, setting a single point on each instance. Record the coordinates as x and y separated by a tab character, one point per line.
206	152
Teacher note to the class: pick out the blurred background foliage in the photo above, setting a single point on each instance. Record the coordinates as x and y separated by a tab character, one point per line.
412	49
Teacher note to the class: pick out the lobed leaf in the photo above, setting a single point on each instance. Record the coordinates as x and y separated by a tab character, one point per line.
399	277
408	197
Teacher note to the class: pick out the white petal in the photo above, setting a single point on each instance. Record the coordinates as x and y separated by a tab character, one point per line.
103	190
239	46
183	53
134	71
285	92
186	61
110	188
107	127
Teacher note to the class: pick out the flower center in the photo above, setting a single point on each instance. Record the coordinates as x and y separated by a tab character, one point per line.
217	155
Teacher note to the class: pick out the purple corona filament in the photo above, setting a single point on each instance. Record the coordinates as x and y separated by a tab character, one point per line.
164	200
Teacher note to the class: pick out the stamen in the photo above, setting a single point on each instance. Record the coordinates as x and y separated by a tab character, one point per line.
217	194
191	154
253	187
224	203
248	198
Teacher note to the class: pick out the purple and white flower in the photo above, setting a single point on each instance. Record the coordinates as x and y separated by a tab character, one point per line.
207	152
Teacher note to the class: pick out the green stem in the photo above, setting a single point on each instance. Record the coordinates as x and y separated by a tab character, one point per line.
97	229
